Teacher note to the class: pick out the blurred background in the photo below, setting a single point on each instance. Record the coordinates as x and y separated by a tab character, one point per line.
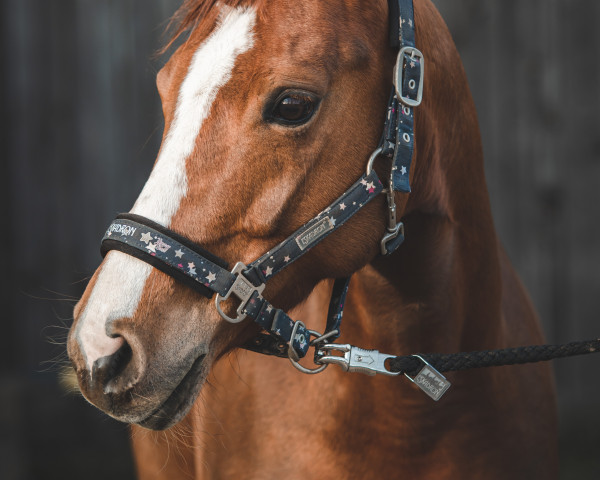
81	125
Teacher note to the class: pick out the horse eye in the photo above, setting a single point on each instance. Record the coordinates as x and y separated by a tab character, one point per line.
294	108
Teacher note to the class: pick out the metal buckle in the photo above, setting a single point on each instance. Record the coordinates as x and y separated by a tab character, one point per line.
399	76
243	289
355	359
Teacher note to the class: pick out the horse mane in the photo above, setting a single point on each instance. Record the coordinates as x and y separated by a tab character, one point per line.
190	12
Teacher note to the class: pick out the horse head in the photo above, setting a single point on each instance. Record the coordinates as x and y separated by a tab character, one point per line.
271	112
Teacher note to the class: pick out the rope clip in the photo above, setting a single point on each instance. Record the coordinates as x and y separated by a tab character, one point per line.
354	359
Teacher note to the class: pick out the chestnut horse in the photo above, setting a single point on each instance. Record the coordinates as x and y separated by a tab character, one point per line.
272	109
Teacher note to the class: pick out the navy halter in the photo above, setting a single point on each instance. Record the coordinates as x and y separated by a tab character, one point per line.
197	268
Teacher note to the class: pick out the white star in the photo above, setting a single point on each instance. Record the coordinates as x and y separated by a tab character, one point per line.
268	271
342	206
191	265
269	309
410	22
192	271
151	247
370	185
146	237
332	222
211	277
286	258
403	170
363	182
412	64
178	253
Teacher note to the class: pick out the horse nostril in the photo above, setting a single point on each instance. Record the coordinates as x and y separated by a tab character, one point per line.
110	367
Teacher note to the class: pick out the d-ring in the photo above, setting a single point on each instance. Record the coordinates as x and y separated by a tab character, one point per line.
372	159
293	356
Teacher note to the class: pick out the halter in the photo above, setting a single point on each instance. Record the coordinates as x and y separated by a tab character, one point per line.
206	273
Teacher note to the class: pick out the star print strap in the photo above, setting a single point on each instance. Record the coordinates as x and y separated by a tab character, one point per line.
203	272
403	152
314	231
279	328
398	138
169	253
336	307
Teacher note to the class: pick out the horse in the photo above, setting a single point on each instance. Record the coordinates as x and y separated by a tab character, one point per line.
271	111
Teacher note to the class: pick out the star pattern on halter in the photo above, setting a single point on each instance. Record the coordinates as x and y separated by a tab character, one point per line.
146	237
179	253
211	277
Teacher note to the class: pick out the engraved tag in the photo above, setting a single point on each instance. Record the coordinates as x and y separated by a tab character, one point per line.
304	240
432	382
242	289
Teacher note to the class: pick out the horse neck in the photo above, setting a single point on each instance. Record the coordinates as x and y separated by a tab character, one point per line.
441	290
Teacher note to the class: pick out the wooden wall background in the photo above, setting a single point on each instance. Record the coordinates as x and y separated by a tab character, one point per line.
81	125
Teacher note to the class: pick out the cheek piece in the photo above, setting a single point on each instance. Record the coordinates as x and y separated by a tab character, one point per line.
204	272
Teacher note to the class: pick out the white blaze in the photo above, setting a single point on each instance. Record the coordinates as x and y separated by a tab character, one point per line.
122	278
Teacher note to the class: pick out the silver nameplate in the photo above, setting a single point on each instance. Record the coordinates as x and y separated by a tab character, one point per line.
432	382
314	233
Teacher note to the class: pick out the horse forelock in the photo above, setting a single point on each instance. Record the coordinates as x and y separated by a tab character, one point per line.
191	12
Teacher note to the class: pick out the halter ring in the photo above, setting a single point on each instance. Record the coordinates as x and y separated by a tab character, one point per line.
293	356
372	159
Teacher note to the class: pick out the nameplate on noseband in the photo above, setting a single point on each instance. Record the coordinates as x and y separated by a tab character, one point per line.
314	233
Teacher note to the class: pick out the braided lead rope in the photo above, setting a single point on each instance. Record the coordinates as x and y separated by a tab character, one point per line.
493	358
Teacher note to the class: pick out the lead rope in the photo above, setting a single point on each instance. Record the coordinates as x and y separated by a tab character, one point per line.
424	369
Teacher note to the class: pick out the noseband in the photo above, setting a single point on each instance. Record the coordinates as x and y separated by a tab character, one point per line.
197	268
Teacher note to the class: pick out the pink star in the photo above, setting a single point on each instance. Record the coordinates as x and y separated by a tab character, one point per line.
180	265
